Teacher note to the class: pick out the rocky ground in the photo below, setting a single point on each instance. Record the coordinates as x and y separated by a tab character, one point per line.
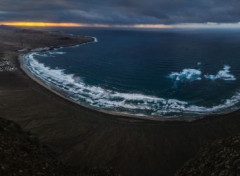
221	158
21	154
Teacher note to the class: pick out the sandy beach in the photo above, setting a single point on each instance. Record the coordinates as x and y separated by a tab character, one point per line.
87	138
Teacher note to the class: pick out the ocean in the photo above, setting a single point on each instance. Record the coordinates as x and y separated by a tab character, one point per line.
166	73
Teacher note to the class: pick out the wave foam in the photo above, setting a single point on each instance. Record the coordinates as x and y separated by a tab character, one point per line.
223	74
132	103
95	39
186	75
56	52
196	75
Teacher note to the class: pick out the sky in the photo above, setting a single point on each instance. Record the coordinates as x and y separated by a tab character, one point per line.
122	12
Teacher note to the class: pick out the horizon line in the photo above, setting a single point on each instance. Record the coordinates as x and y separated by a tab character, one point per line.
138	26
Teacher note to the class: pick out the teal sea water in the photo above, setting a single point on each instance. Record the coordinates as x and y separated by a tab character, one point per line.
146	73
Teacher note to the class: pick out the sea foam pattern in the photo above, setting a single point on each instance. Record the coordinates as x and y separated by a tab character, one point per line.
131	103
189	75
186	75
223	74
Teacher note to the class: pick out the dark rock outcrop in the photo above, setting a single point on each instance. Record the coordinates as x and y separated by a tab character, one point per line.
22	155
221	158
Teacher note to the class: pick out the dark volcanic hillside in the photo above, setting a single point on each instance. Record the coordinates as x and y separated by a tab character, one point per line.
221	158
22	154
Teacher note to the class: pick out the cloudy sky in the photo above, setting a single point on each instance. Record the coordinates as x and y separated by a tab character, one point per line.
121	11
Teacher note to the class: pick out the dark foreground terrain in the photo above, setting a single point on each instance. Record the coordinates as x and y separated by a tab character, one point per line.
221	158
23	155
84	138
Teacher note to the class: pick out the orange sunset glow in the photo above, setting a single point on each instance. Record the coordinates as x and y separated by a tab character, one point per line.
41	24
137	26
52	24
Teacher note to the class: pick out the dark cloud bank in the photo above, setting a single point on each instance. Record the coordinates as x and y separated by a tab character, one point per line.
122	11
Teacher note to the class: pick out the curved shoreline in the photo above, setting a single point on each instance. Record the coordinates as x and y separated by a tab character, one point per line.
119	114
83	137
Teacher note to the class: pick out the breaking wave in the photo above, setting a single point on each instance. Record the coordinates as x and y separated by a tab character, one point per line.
132	103
196	75
186	75
223	74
